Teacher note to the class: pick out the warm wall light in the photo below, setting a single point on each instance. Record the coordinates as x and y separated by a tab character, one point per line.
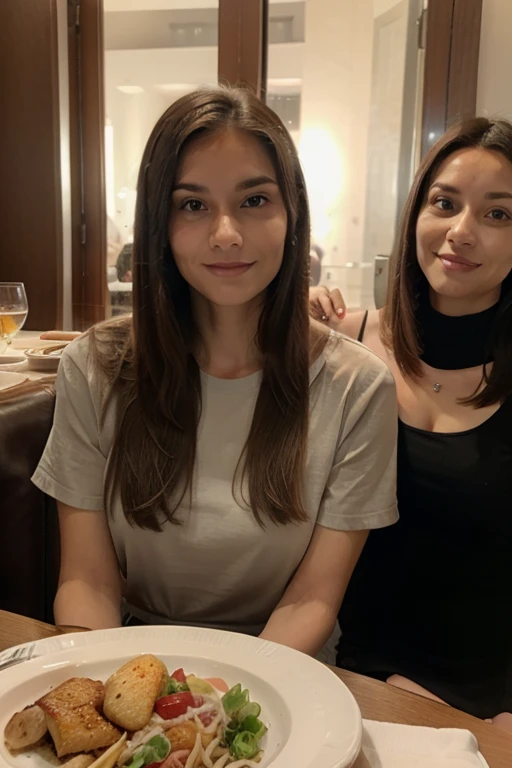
323	169
131	89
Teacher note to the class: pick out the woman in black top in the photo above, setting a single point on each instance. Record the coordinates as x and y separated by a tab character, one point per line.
430	605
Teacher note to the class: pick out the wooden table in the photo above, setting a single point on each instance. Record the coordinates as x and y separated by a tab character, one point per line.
377	701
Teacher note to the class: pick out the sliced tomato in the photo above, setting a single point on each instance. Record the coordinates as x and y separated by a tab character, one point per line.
175	705
218	683
179	676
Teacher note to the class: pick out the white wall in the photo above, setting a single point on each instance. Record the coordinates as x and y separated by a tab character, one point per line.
494	92
382	6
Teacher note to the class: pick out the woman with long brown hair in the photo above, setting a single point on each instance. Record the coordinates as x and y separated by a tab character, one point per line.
429	606
221	452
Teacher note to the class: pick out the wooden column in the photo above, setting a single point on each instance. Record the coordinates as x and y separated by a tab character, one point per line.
451	65
87	107
243	43
30	181
467	22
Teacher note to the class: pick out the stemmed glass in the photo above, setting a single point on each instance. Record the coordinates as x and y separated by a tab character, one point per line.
13	312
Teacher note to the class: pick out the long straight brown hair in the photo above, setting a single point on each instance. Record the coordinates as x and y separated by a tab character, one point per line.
399	329
149	363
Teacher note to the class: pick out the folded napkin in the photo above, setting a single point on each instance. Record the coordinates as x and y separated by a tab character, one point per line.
386	745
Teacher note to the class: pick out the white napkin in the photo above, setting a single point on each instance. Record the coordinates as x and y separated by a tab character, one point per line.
386	745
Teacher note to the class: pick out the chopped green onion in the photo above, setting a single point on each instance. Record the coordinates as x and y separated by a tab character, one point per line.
252	724
251	708
234	700
154	751
245	746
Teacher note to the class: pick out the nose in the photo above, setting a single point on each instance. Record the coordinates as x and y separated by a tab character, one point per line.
224	233
462	230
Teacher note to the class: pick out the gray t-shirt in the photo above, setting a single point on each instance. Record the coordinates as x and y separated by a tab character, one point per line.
219	568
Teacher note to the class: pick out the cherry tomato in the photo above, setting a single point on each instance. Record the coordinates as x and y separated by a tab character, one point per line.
179	676
175	705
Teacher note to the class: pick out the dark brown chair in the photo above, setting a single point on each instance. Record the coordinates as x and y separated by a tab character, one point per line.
29	533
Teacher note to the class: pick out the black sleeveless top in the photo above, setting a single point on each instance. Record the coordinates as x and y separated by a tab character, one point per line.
431	597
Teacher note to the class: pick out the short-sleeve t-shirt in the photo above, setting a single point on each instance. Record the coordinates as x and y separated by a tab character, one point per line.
220	568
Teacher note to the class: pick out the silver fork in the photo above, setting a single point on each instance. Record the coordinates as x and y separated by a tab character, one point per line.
17	656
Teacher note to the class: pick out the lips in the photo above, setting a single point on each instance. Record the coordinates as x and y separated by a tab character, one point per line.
454	263
229	268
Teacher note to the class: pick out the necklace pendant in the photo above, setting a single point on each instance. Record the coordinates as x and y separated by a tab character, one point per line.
437	387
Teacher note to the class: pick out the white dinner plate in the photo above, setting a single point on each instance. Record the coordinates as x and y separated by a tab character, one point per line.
313	719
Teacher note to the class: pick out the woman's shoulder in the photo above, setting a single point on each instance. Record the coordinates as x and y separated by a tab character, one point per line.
99	352
359	323
350	364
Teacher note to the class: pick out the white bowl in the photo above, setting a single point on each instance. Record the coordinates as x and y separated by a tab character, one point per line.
44	359
313	719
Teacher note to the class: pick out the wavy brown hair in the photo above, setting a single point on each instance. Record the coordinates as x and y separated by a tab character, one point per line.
399	329
149	361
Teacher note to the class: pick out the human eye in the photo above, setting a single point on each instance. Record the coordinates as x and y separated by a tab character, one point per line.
497	214
192	205
255	201
442	204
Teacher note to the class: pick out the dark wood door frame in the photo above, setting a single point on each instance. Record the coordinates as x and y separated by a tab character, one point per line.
31	232
87	143
243	43
451	65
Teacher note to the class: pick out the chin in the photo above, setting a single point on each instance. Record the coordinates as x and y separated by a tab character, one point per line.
452	288
231	298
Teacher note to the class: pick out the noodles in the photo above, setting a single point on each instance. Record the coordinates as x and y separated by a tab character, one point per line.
192	758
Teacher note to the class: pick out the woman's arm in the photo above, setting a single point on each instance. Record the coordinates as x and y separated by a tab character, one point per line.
89	592
305	617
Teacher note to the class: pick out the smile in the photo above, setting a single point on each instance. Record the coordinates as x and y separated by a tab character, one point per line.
454	263
229	268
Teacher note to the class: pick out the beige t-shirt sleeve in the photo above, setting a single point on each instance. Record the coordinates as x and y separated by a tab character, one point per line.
361	489
72	466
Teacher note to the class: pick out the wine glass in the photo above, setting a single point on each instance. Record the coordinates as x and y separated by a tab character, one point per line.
13	312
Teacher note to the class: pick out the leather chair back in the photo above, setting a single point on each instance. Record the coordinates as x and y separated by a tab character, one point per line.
29	532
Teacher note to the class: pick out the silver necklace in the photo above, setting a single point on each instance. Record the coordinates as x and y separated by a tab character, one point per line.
437	387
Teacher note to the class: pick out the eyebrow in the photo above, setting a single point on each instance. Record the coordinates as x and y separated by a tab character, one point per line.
256	181
488	195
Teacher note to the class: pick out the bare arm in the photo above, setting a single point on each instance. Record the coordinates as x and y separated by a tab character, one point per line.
305	617
89	592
